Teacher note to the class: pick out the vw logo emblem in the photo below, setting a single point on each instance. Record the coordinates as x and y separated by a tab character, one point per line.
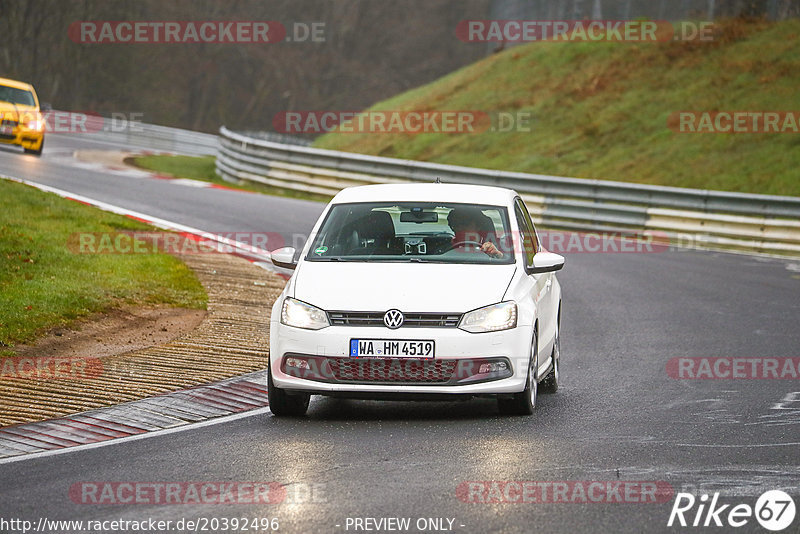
393	319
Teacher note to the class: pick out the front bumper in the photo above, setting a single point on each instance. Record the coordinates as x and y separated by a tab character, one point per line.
454	370
24	137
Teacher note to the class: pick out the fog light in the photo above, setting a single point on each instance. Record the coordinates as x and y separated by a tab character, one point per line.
297	363
483	370
494	367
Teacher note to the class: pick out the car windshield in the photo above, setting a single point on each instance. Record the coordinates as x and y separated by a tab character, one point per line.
414	232
16	96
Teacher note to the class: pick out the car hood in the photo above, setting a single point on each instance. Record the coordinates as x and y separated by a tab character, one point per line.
11	112
409	287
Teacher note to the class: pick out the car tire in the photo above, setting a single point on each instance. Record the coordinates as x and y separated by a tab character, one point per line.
523	403
35	152
283	404
550	382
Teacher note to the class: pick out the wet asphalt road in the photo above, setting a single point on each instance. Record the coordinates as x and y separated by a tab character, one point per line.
618	417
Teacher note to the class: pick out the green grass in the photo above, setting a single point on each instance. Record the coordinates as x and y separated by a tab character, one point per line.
44	284
194	167
600	111
202	168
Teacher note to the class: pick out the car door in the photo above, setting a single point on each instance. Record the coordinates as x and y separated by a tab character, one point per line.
541	291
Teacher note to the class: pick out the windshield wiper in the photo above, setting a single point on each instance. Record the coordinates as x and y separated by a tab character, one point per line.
332	258
398	259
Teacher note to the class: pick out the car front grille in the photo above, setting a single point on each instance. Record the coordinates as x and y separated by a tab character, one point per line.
392	370
429	320
8	123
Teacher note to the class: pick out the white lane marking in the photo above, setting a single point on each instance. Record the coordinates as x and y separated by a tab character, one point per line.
740	446
712	410
784	412
154	433
191	183
161	223
792	397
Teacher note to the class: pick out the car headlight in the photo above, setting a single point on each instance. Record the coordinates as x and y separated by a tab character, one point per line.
492	318
301	315
35	125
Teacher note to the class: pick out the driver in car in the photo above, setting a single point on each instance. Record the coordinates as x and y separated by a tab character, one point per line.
471	227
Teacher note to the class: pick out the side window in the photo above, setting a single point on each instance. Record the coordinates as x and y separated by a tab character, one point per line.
530	225
526	231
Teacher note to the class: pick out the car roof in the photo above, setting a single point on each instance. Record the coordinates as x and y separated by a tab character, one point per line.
14	83
459	193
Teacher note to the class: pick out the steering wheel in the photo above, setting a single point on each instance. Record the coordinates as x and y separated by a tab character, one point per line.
465	242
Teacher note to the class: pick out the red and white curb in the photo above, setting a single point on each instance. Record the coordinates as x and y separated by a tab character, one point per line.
244	395
217	402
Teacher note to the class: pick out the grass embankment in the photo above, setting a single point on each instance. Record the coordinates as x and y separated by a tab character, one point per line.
202	168
600	111
44	284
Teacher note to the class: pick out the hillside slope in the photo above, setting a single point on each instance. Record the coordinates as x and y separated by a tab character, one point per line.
600	110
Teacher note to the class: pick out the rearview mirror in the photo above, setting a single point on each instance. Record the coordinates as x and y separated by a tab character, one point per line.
419	216
547	262
284	257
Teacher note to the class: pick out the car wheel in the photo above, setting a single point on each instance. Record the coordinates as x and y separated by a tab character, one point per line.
282	403
35	152
523	403
550	383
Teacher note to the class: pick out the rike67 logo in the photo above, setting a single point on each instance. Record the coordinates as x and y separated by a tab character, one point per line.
774	511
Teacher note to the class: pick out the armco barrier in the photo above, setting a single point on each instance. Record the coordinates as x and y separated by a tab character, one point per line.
141	135
707	219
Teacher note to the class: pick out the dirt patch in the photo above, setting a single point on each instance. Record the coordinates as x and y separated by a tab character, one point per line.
109	158
115	332
231	339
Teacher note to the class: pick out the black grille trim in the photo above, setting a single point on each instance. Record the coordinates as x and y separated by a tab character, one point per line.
391	371
417	320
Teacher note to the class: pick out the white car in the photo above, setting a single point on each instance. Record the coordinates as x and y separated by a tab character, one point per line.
418	291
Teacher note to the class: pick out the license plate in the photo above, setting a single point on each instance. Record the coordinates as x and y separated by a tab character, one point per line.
7	130
392	348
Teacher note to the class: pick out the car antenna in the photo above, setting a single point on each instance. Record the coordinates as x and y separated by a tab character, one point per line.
438	180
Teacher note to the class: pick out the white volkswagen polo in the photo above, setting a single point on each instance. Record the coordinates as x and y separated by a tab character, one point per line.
418	291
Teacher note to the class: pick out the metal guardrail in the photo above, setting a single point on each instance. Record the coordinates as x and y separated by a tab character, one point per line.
172	140
276	137
139	135
763	223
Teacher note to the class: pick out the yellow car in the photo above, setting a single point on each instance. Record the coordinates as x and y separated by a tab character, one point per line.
21	120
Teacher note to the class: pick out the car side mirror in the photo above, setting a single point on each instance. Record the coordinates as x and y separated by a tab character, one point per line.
547	262
284	257
46	106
